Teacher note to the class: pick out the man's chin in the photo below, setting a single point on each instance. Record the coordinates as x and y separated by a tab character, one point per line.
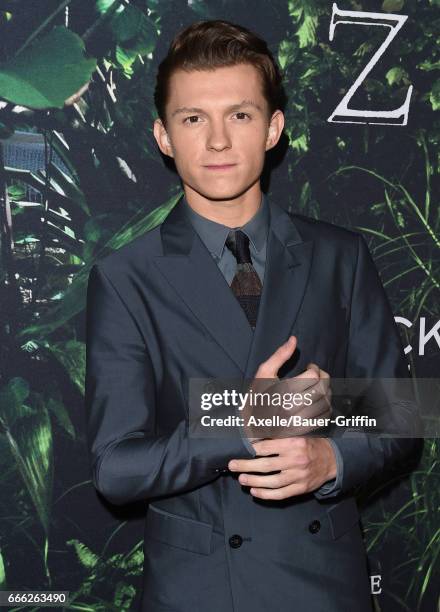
218	195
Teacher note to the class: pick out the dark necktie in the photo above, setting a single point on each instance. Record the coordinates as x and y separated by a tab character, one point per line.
246	284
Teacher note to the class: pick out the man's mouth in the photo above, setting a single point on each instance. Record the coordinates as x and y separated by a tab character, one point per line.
220	166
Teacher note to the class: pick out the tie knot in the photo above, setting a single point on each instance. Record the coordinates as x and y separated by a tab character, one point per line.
238	243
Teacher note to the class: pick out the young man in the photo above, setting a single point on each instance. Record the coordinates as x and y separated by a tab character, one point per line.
231	286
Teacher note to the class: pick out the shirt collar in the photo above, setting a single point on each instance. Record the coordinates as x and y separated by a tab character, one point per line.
214	234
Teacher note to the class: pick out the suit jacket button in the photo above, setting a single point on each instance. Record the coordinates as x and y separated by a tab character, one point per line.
235	541
314	526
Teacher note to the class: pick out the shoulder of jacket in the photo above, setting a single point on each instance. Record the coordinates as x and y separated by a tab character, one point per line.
137	252
311	227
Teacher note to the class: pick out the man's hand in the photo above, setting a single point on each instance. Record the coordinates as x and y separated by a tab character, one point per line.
313	383
303	465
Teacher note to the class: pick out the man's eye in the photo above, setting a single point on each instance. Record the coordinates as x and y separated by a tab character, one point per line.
191	117
245	114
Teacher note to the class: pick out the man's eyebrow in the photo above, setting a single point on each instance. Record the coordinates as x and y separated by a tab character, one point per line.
193	109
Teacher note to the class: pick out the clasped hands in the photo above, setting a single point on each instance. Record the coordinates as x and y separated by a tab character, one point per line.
302	464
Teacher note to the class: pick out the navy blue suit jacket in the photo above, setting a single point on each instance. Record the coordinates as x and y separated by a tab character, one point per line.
159	312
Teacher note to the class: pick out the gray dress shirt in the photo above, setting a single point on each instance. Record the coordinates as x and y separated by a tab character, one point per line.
214	235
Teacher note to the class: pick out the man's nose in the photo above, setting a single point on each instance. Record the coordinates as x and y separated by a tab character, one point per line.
218	137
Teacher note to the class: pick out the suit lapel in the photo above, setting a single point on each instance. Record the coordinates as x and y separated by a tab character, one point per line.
190	269
288	262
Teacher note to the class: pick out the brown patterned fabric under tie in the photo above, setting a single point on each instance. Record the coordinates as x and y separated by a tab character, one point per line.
246	284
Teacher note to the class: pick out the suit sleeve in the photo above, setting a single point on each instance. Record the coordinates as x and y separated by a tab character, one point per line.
332	487
129	461
375	351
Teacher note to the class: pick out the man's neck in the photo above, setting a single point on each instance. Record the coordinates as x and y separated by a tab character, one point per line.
232	213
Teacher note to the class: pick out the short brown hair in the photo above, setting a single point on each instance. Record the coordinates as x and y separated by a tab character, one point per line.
206	45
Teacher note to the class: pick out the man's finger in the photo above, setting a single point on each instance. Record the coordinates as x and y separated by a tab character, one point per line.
270	367
281	493
319	408
296	384
314	367
321	386
259	464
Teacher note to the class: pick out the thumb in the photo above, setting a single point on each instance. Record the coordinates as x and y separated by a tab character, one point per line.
270	367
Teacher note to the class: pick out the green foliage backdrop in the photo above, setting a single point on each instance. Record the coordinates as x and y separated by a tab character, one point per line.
81	73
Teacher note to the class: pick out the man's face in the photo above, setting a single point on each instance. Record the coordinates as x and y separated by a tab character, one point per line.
214	118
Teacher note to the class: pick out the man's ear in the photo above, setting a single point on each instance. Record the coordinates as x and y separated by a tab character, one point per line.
275	129
162	138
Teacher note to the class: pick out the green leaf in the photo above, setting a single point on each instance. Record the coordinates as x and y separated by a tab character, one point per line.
428	65
305	197
134	31
287	52
12	398
135	560
400	219
396	75
61	414
2	573
299	140
434	96
104	5
363	48
31	445
19	388
307	31
28	239
62	183
16	192
72	355
311	72
47	72
389	6
87	558
93	229
124	595
125	60
305	16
